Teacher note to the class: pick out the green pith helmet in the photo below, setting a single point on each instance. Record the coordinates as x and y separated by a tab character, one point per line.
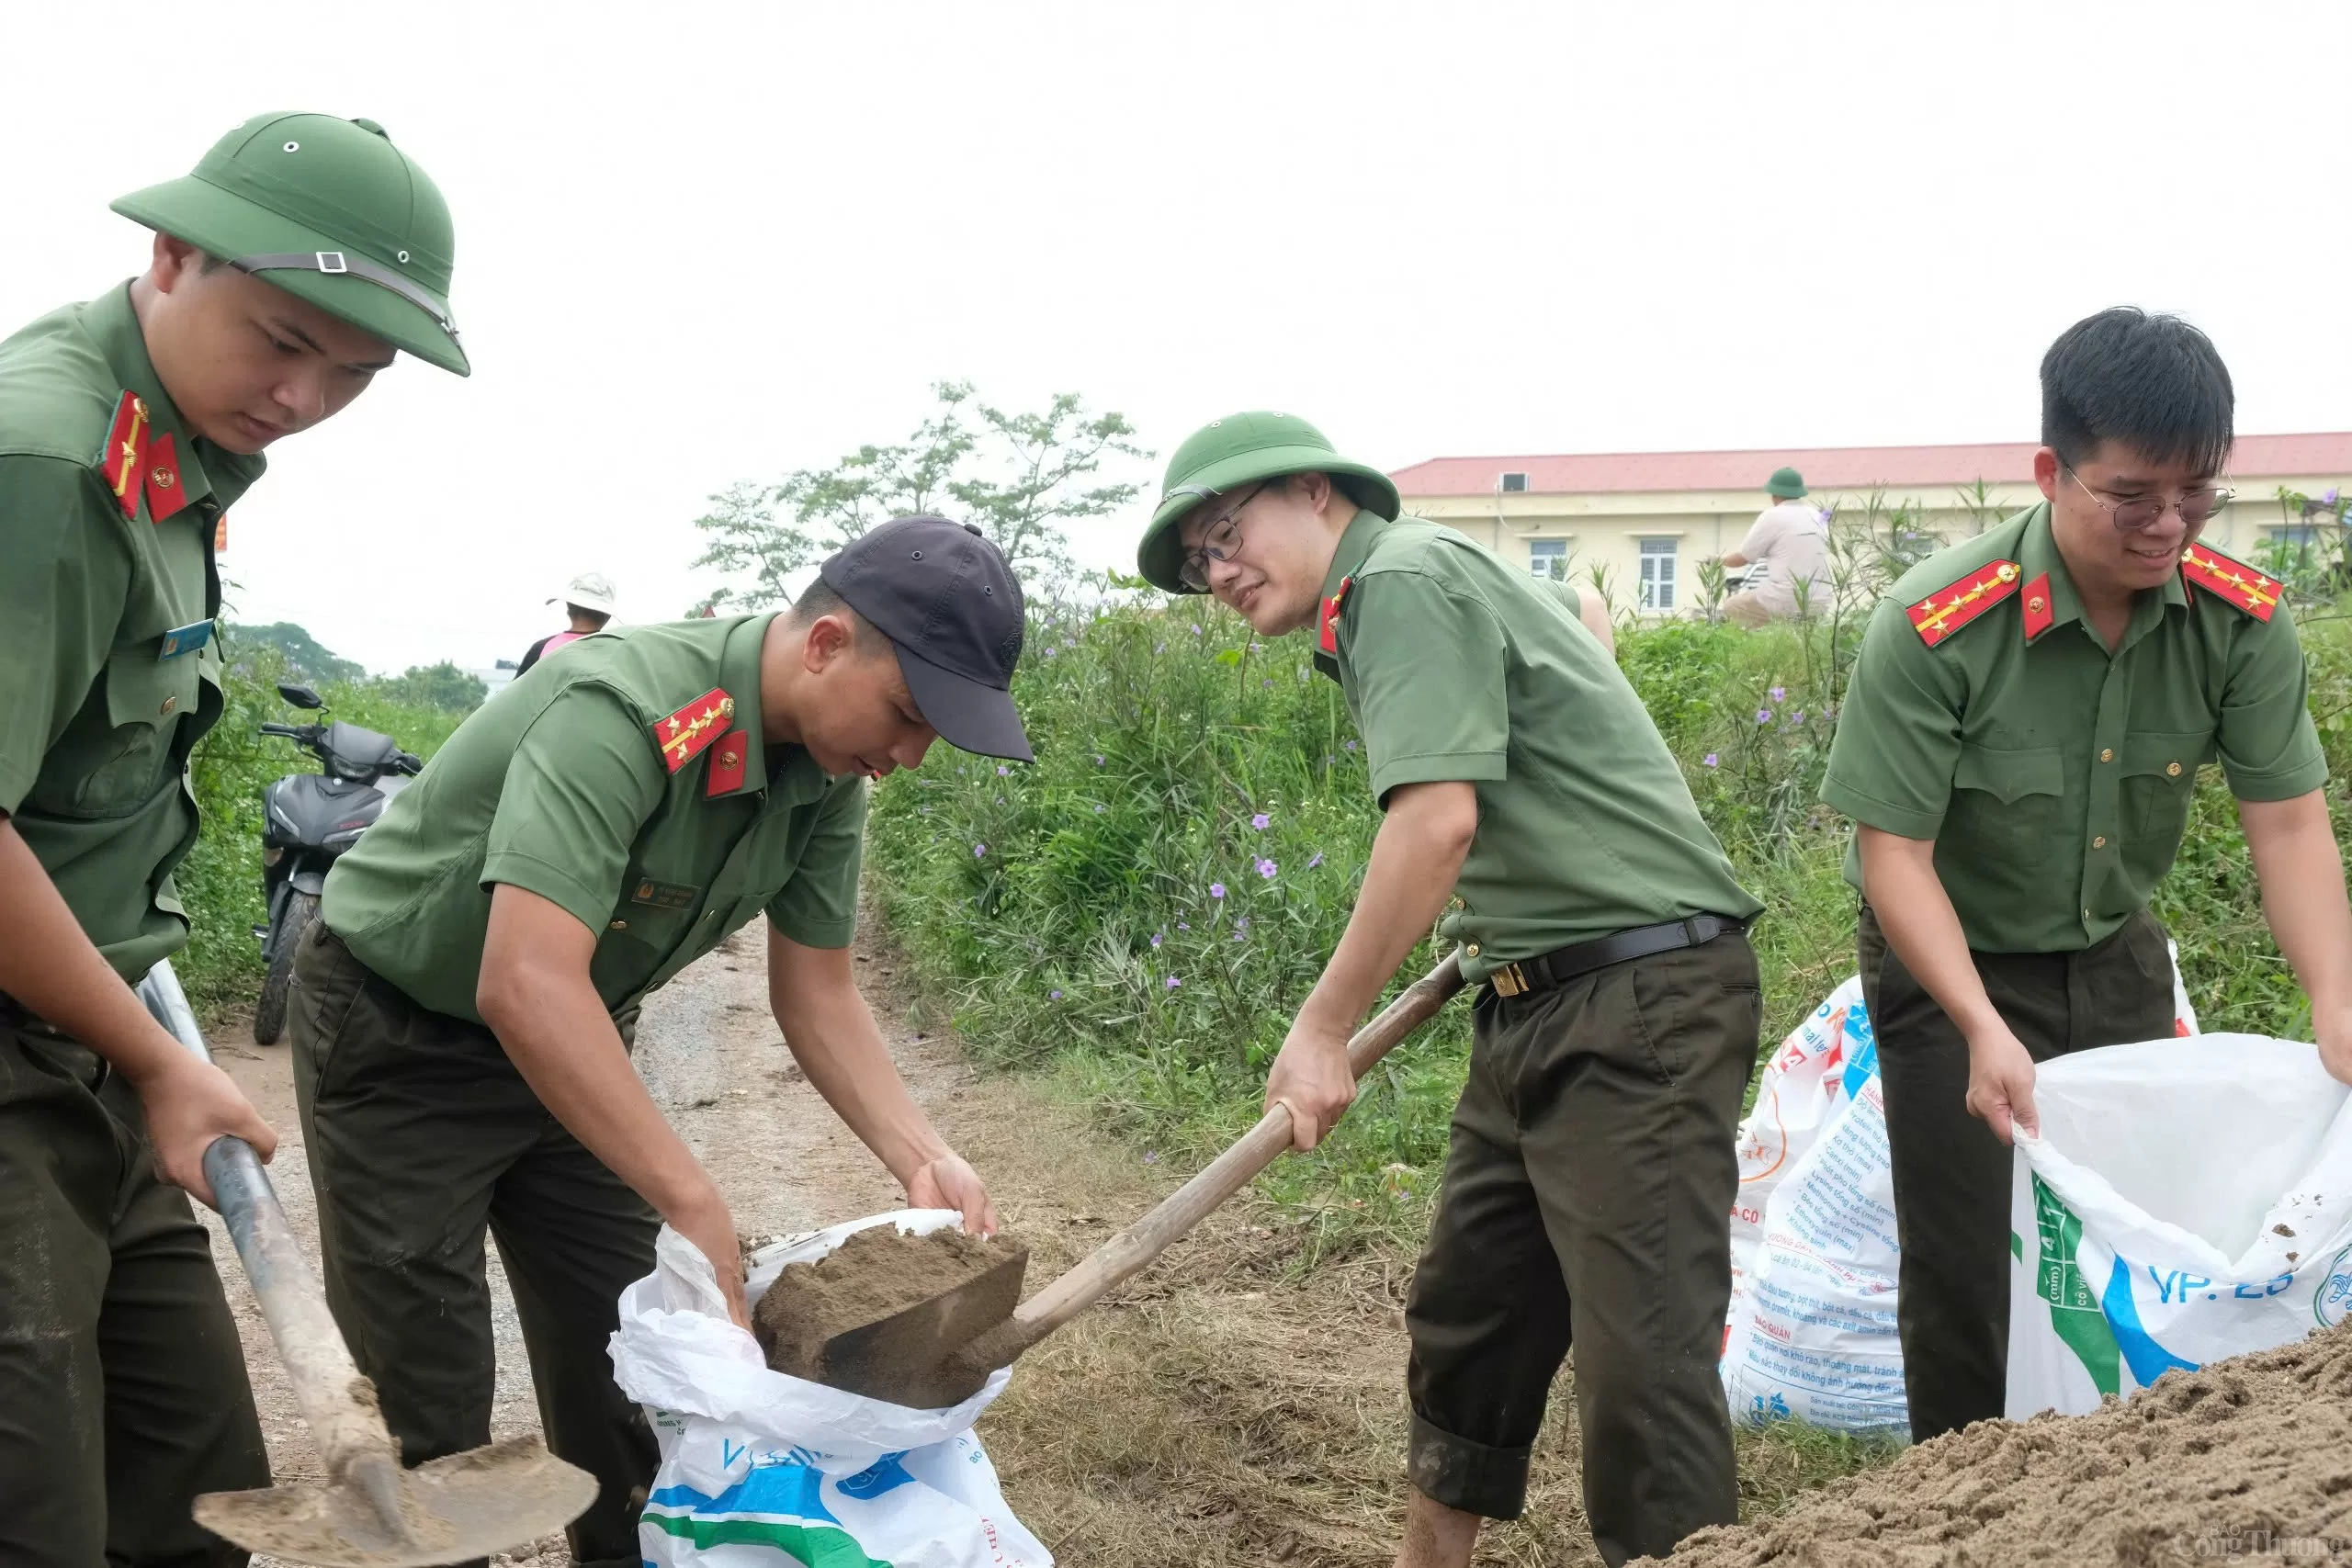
1786	484
332	212
1241	449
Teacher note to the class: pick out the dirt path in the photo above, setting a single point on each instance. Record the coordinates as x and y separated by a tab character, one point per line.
1217	1412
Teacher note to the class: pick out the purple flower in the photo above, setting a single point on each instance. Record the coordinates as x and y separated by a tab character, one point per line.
1098	808
1216	889
1002	771
1267	682
1261	821
1315	861
2329	498
1242	924
1267	868
1828	514
1349	746
1052	996
978	851
1183	925
1256	649
1196	628
1797	717
1156	938
1053	652
1173	982
1763	716
1151	1156
1776	693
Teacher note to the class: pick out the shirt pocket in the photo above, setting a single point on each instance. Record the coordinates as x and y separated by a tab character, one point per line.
2007	803
2159	782
146	699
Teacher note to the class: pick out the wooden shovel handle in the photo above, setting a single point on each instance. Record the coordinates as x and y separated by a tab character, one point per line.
1116	1260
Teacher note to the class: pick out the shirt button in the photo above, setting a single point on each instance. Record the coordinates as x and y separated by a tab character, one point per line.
2106	754
2098	843
171	703
2086	914
617	926
1471	950
2172	769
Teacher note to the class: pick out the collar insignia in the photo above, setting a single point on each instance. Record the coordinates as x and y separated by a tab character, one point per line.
1327	631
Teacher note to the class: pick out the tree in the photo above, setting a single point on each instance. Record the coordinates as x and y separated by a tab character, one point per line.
305	659
1020	476
442	685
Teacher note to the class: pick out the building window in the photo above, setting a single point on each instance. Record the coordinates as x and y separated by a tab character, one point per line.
1548	558
2298	537
1657	574
1514	483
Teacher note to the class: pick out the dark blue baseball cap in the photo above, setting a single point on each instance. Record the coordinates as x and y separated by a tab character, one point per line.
947	600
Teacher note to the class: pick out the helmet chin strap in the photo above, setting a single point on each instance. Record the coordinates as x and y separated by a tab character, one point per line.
339	262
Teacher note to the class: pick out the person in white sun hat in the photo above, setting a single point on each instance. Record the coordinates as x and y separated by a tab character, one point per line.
589	600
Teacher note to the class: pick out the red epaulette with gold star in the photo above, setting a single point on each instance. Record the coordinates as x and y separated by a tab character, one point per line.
1947	610
2234	582
685	734
137	463
1327	629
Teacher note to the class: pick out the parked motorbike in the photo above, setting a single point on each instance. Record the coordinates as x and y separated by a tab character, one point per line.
309	819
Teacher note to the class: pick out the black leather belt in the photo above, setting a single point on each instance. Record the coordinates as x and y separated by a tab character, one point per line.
1563	964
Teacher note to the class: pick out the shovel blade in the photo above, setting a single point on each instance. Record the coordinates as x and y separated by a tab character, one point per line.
468	1505
908	1357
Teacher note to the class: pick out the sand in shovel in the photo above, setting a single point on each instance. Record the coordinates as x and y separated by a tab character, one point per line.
875	1272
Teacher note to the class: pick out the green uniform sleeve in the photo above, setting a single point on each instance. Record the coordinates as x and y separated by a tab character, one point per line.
1429	666
2269	748
64	576
817	908
1567	594
1897	746
583	780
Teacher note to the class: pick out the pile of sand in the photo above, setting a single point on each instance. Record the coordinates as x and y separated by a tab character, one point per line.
2248	1459
878	1271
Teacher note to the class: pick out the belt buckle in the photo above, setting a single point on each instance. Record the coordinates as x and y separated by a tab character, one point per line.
1509	980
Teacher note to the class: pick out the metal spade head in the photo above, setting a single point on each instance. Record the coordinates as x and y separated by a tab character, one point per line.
378	1516
908	1356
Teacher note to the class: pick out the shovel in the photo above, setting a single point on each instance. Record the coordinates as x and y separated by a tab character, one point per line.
940	1351
370	1512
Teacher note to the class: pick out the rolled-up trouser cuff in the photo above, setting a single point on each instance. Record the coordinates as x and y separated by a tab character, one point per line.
1463	1476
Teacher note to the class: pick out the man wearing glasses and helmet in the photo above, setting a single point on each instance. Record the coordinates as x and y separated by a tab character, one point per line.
2019	749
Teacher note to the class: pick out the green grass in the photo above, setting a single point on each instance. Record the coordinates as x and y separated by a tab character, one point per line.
221	879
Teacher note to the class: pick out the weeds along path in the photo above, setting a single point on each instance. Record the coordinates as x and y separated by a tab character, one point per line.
1220	1409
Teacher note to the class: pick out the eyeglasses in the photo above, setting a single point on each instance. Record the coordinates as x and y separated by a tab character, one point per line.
1219	541
2146	511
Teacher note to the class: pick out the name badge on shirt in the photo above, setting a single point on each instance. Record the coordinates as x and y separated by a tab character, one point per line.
182	640
664	895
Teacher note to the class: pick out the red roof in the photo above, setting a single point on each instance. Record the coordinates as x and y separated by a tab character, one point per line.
1823	467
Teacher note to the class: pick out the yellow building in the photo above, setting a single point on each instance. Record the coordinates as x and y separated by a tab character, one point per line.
1643	521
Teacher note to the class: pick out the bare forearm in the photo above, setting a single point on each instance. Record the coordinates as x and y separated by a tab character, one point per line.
1416	860
1899	878
2302	873
557	1034
834	1039
49	964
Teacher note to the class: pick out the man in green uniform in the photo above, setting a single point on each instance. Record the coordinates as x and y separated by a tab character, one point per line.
1587	1192
128	427
2017	750
465	1003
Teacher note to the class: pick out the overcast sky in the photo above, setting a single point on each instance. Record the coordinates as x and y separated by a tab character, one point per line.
699	242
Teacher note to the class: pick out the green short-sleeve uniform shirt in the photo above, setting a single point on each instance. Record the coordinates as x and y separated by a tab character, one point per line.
562	784
2054	776
1457	667
110	673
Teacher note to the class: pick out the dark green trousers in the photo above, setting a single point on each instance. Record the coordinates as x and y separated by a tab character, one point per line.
421	1137
1587	1202
122	1382
1951	1175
